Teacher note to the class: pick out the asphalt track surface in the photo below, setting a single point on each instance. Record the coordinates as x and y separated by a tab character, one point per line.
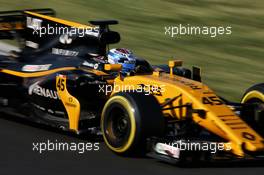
18	157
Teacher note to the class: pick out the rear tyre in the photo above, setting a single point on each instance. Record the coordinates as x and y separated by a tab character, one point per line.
128	119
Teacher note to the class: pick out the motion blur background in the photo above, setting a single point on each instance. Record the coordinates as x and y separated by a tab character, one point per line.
230	63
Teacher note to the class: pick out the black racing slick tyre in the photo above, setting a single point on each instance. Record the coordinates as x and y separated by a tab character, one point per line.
128	119
255	95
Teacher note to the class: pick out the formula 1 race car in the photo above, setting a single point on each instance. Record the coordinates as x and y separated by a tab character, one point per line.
62	79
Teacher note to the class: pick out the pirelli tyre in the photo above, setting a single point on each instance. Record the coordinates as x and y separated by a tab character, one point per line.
128	119
255	95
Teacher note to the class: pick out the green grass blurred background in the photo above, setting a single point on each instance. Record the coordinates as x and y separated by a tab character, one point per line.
230	63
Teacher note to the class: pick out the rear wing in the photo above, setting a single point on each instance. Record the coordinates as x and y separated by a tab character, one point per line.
39	30
16	20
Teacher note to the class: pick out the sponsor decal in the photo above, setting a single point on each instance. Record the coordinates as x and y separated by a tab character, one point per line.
40	91
64	52
50	111
165	149
34	68
39	107
248	136
185	82
99	59
96	82
65	39
32	44
95	66
70	103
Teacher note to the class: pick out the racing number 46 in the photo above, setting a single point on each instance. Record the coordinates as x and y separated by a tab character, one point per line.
60	84
212	100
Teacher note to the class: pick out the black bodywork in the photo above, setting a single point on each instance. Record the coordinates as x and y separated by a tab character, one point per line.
35	97
25	93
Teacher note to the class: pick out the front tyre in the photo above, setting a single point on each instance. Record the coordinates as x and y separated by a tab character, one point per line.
128	119
255	96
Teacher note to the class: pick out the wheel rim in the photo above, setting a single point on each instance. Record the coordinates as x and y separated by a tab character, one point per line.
117	126
119	123
259	113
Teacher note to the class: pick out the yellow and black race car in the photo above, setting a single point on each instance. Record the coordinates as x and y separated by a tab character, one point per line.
63	79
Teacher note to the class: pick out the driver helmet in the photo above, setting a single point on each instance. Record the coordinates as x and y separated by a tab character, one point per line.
122	56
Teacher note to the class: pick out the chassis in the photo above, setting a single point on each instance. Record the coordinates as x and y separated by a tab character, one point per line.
55	80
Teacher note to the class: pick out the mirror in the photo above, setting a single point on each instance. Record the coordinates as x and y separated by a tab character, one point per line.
109	37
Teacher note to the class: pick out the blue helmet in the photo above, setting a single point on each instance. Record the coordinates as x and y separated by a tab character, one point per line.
122	56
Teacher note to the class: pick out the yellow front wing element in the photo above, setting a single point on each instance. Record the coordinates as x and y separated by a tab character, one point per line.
220	119
70	103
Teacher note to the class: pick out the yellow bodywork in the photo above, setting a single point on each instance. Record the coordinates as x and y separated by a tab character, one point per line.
60	21
70	103
219	119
